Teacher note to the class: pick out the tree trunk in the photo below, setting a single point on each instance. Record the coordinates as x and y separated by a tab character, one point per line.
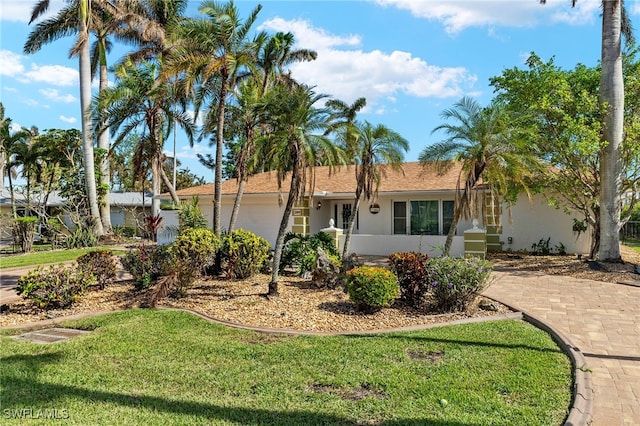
611	93
352	222
236	204
105	173
217	196
155	186
169	185
87	134
452	231
277	253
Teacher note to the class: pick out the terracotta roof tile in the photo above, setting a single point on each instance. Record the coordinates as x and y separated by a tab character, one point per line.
342	180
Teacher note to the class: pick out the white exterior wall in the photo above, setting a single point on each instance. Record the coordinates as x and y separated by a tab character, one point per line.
532	221
384	245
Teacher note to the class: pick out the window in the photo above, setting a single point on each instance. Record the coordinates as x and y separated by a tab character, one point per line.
447	216
399	217
424	218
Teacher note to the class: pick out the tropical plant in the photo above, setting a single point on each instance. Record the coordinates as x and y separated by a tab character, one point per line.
56	286
300	251
294	144
374	149
371	288
245	253
215	53
484	142
190	215
77	18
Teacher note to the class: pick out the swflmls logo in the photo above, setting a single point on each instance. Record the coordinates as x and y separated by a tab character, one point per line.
31	413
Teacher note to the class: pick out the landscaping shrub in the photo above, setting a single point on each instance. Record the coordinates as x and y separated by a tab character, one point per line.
80	237
372	288
145	263
410	270
101	264
300	250
245	253
124	231
192	251
56	286
456	282
190	215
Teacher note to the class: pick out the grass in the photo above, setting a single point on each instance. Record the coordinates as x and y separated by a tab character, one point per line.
147	367
44	257
633	243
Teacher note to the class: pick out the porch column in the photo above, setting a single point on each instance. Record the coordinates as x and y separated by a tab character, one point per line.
335	233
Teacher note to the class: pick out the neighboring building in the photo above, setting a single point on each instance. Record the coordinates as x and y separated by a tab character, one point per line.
412	212
127	208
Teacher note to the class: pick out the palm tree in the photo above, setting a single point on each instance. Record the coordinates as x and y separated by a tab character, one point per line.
615	25
12	143
28	155
274	54
139	100
482	140
373	147
293	145
76	18
214	52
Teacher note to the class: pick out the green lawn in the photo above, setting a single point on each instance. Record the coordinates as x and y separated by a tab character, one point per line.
155	367
44	257
634	244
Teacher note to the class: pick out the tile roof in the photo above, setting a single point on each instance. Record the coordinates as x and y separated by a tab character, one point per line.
341	180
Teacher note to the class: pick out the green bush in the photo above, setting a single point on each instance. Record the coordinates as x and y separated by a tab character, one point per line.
190	215
80	237
146	264
456	282
193	250
300	250
125	231
101	264
371	287
56	286
410	270
245	253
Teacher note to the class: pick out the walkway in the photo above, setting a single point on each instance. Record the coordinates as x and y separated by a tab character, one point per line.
601	319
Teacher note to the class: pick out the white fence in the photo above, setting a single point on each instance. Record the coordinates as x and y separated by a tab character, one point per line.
384	245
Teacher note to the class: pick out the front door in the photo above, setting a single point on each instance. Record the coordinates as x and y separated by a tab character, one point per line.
341	214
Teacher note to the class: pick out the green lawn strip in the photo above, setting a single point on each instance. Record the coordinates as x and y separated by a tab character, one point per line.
168	367
44	257
634	244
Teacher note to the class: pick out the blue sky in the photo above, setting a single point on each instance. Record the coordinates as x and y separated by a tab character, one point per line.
410	59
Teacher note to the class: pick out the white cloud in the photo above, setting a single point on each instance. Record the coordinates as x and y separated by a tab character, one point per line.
10	63
66	119
190	153
56	75
459	15
347	73
55	95
34	103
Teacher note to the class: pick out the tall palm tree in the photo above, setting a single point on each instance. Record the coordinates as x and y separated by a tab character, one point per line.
293	145
138	99
12	142
483	141
274	54
214	52
78	19
28	154
375	148
615	25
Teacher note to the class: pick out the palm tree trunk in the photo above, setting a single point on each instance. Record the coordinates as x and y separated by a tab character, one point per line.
452	231
277	253
236	204
87	134
155	186
105	178
217	196
169	185
611	93
352	222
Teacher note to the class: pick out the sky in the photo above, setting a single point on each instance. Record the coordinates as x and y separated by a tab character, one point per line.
410	59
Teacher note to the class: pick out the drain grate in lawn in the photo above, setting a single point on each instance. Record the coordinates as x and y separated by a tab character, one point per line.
51	335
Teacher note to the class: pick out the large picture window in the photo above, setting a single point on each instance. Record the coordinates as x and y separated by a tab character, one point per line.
424	218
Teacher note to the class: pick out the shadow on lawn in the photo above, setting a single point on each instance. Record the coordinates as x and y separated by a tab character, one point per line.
49	392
